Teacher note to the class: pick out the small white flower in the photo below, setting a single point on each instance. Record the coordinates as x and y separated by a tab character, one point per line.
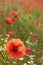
32	58
27	42
25	63
7	35
36	40
0	49
33	50
14	62
2	39
32	61
31	43
30	32
5	40
28	62
21	58
34	64
3	49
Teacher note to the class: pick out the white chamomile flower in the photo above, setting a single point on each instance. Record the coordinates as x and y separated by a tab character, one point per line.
31	43
2	39
31	33
31	58
34	64
28	62
21	58
1	48
27	42
5	40
32	61
25	63
14	62
7	35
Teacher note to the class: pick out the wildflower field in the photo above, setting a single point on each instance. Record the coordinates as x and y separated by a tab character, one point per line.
21	32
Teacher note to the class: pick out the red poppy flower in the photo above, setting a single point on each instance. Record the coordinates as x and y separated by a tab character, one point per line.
21	1
15	48
15	14
26	7
28	51
8	20
35	36
13	1
41	57
37	23
10	33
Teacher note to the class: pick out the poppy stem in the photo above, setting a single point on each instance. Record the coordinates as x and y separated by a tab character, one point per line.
2	62
10	61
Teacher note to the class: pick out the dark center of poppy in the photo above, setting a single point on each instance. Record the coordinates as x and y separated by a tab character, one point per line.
15	48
